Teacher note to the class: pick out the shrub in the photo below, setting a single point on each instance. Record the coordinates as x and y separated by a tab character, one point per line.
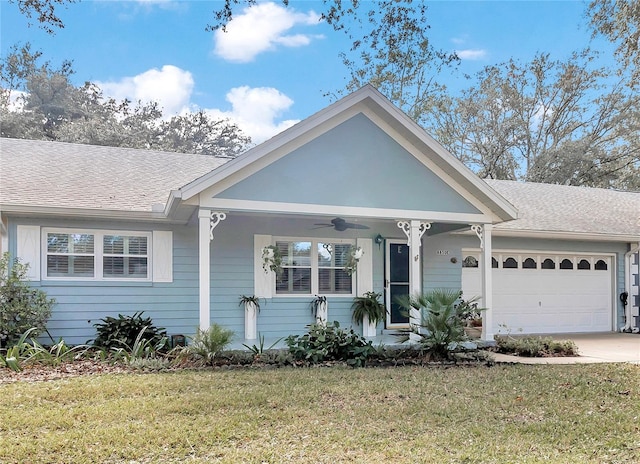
531	346
441	327
330	343
21	306
207	344
124	331
368	305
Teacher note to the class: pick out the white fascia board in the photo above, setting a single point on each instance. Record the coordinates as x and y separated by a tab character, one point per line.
560	235
350	211
19	210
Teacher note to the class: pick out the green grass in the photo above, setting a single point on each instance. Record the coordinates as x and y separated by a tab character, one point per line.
509	413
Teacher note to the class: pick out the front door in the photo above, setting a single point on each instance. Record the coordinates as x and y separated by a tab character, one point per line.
396	282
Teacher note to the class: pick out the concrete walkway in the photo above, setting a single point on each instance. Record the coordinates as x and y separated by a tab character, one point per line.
593	348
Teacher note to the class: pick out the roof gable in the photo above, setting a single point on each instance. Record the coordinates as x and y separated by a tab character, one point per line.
442	168
353	164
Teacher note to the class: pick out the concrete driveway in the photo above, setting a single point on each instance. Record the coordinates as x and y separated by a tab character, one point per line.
593	348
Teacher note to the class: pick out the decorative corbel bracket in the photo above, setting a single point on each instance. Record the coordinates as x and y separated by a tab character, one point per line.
477	229
405	226
215	219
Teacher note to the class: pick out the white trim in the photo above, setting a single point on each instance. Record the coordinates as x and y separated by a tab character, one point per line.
263	281
162	262
559	235
28	249
204	269
98	254
352	211
387	280
29	210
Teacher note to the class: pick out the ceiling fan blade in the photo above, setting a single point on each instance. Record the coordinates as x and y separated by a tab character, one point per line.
351	225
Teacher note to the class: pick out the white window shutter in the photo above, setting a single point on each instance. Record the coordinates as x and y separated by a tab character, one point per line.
364	273
162	260
262	281
28	249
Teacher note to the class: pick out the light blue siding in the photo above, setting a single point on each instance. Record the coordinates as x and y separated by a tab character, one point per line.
354	164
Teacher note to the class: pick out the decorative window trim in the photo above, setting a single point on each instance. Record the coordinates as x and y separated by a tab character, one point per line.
605	261
98	254
315	281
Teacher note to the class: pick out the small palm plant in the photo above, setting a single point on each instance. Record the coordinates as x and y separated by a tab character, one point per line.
441	325
207	344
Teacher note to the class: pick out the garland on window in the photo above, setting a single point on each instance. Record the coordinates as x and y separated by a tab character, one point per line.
354	257
272	259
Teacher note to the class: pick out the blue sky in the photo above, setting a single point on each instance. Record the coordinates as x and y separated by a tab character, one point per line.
274	65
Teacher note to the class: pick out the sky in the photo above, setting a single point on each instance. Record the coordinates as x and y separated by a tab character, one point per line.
275	65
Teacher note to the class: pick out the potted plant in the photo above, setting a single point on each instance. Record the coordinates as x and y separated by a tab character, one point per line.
368	311
319	309
352	261
251	309
471	315
272	259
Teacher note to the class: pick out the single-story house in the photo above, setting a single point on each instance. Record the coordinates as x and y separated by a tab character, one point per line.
114	230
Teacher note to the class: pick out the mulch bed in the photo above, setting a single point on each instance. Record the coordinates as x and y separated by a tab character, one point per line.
39	373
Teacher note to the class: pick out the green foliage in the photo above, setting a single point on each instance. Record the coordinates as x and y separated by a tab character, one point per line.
244	299
441	326
259	349
370	306
29	351
127	331
531	346
330	343
207	344
21	306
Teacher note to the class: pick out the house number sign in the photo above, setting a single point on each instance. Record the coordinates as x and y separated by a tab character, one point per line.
443	252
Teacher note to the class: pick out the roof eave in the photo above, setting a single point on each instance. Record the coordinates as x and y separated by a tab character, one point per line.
566	235
30	210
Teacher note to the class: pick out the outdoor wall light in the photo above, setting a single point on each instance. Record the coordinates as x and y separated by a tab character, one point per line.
379	239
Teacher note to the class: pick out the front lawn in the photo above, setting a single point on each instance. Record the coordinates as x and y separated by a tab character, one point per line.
505	413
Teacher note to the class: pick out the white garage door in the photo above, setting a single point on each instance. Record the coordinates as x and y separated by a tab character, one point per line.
552	293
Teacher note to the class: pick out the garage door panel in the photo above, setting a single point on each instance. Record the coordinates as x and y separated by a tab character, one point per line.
547	300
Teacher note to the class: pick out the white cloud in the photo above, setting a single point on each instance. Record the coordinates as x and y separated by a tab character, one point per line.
170	86
255	111
261	28
471	54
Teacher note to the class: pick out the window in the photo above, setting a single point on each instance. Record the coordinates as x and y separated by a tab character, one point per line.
314	267
529	263
584	264
97	255
566	264
470	261
548	263
510	263
601	265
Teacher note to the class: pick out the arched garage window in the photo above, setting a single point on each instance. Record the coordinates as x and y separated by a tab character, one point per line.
566	264
529	263
470	261
601	265
548	264
510	263
494	263
584	264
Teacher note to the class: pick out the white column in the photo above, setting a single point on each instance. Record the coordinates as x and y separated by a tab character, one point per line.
487	283
414	230
207	221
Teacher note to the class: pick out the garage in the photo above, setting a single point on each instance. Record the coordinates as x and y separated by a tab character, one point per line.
552	292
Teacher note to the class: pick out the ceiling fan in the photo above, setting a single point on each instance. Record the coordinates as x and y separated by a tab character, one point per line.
341	225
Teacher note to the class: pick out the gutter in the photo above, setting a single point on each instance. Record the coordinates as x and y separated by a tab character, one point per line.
627	288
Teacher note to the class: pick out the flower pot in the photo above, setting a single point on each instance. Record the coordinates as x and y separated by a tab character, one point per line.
368	328
473	332
250	321
322	313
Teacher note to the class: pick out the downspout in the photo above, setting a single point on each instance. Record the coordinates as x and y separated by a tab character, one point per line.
627	287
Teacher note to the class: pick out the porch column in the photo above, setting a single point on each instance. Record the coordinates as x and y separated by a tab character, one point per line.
207	221
484	234
414	230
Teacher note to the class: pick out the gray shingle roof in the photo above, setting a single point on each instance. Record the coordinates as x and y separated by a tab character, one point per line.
67	175
561	208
